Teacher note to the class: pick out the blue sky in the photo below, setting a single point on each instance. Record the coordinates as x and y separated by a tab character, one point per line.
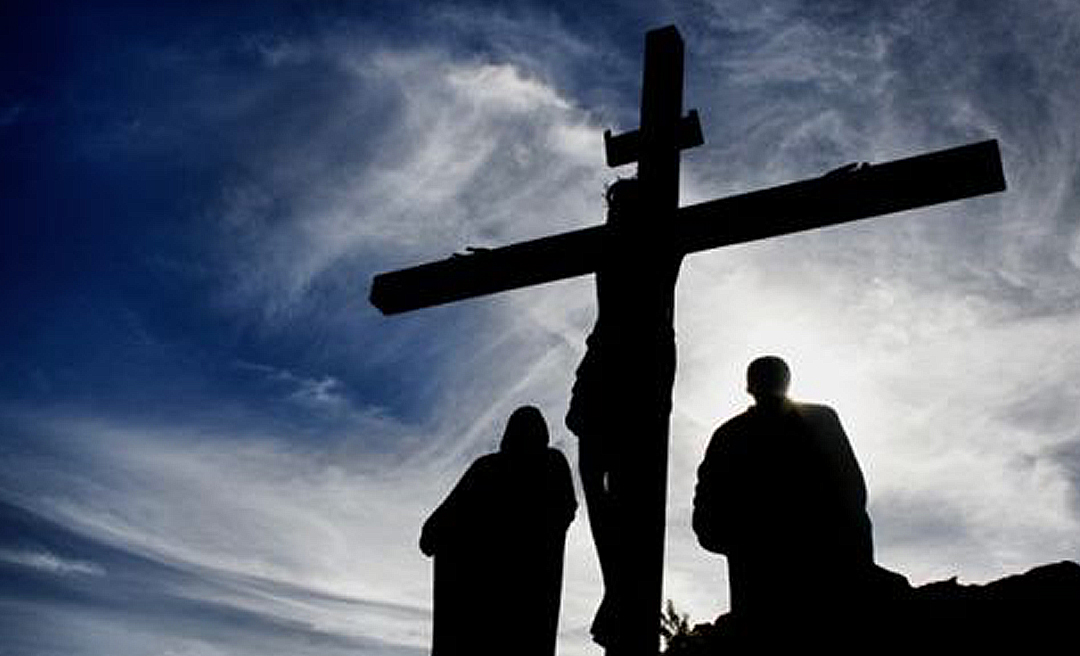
210	443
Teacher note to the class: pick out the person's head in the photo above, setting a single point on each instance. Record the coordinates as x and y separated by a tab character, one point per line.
623	198
526	431
767	379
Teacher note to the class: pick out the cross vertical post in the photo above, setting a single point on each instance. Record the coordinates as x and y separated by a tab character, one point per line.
635	294
661	112
658	178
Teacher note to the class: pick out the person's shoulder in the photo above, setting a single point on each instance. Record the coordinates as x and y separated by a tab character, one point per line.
554	456
487	462
814	409
736	425
818	415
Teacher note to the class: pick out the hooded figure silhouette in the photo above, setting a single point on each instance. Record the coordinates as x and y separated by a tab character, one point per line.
498	541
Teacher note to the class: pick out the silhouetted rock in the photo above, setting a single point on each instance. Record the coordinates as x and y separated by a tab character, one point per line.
1036	611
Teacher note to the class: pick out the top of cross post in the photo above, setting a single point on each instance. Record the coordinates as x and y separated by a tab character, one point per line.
663	72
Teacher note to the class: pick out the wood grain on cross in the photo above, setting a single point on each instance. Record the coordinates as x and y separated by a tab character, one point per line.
862	192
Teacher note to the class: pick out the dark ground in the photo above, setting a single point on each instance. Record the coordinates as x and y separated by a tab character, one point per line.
1037	612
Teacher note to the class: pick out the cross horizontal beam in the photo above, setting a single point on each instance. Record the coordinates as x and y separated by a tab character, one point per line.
626	147
865	192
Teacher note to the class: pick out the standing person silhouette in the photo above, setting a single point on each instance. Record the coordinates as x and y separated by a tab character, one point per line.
498	541
781	495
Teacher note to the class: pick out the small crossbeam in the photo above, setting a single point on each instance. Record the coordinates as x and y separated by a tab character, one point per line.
865	192
625	148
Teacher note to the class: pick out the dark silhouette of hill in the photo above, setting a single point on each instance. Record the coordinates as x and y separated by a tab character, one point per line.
1031	613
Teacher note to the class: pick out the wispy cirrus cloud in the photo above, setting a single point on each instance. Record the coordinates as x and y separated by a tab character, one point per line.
48	562
214	525
468	149
155	600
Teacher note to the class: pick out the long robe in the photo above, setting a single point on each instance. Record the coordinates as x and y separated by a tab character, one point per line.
498	541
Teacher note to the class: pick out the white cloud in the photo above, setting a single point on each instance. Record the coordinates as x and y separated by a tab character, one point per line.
234	505
501	88
469	150
49	562
322	394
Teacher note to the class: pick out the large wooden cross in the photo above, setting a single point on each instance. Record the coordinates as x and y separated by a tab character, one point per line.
847	195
